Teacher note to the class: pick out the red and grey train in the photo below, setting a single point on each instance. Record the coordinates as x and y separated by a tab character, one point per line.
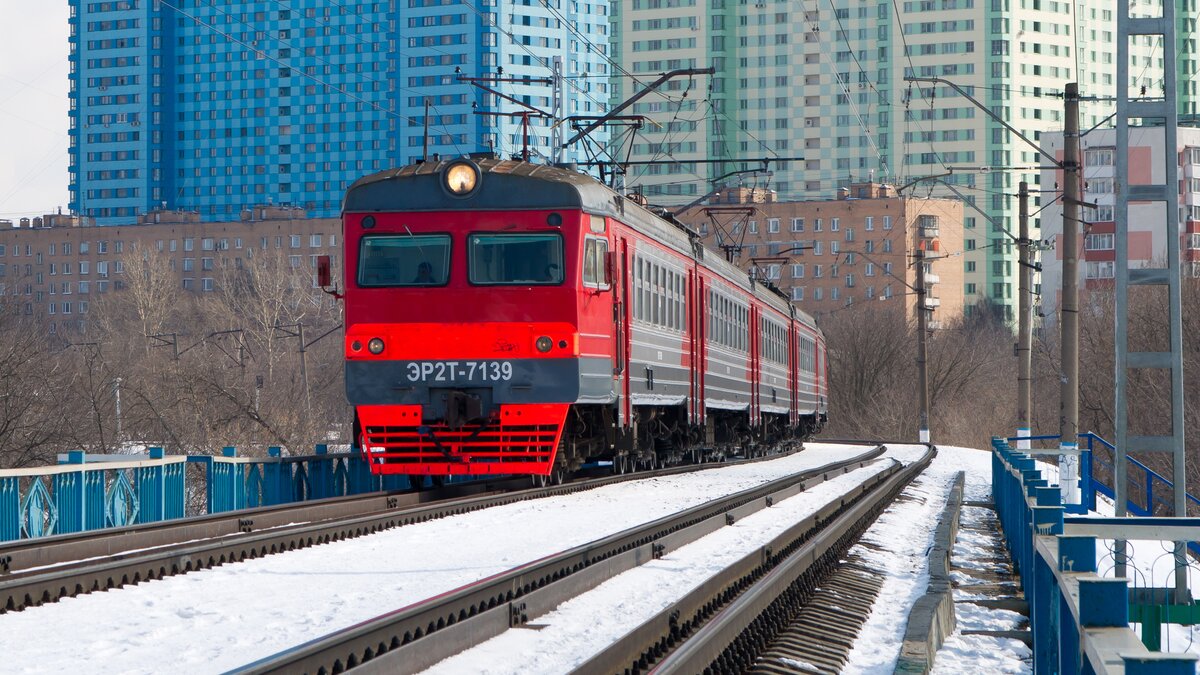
504	317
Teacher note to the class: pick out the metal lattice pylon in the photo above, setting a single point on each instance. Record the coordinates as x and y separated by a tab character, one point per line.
1164	111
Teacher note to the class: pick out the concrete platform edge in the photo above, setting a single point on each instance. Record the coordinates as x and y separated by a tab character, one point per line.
932	619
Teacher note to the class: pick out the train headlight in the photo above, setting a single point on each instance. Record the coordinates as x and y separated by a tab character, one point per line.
544	344
462	178
375	346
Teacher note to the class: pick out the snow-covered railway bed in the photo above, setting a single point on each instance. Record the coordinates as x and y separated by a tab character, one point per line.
692	609
224	617
47	569
42	570
420	635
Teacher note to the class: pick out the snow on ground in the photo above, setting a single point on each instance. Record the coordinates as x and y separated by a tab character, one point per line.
577	629
1152	565
975	557
981	654
898	543
214	620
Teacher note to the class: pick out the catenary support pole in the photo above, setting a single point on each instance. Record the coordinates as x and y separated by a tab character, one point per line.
1069	395
922	347
1024	320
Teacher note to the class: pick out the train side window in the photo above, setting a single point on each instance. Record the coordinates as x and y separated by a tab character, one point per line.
595	255
495	259
404	260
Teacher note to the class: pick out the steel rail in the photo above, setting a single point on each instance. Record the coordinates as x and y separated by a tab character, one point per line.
25	554
399	641
69	565
745	621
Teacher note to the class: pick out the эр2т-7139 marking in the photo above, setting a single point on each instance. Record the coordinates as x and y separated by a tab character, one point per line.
511	318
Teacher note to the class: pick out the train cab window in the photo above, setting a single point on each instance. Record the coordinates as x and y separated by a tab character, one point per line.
404	260
595	252
519	259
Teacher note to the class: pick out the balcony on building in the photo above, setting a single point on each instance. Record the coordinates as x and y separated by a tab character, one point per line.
928	227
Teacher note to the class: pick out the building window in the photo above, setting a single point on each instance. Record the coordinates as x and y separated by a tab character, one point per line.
1100	269
797	226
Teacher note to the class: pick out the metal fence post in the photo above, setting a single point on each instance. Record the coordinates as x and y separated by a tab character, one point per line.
1104	603
320	473
69	495
276	478
10	509
1075	554
150	490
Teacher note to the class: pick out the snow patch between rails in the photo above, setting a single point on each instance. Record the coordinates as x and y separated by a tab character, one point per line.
580	627
897	546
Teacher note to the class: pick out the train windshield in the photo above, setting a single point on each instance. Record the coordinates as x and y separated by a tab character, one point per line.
404	260
525	259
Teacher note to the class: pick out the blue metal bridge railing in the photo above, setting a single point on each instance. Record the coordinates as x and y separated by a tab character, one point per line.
91	492
1150	494
1079	620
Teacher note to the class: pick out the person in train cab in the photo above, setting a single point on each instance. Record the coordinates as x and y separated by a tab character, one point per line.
424	274
551	273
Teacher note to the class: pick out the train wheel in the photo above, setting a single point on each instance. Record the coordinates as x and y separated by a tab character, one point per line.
620	464
557	476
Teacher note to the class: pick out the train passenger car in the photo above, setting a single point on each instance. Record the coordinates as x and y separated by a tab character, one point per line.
505	317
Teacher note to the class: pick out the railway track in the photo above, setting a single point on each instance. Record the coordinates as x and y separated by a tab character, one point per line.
37	571
416	637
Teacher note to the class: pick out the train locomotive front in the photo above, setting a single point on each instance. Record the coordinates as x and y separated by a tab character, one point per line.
464	299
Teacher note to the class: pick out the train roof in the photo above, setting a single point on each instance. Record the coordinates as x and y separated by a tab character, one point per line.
504	185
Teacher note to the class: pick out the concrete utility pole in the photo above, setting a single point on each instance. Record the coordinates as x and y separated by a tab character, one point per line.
556	109
117	395
922	350
1068	462
1024	320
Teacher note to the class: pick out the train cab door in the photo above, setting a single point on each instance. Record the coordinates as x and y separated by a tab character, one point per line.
697	327
793	358
755	364
621	328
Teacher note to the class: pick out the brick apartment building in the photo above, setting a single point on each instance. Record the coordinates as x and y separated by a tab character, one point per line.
836	253
55	266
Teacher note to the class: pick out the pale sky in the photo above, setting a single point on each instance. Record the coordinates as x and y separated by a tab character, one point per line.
33	107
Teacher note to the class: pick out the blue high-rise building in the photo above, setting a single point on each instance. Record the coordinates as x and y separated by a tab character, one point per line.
215	107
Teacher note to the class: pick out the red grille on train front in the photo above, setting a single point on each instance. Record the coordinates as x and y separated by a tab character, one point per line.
520	439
